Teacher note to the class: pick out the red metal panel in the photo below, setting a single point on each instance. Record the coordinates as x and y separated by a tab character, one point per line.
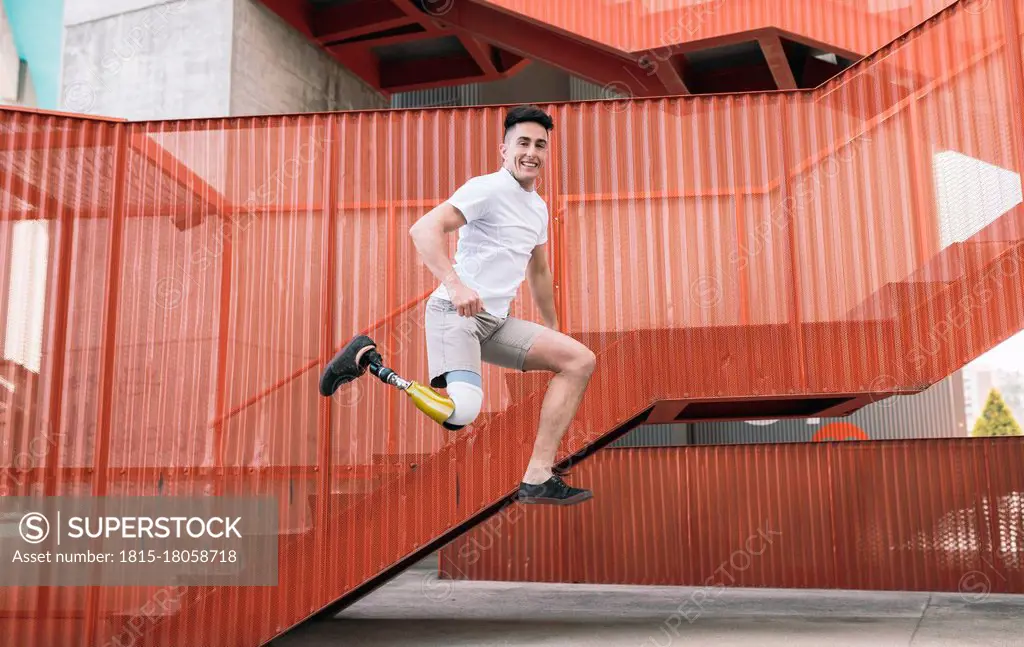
539	42
775	247
1003	506
638	25
335	23
931	515
50	419
929	527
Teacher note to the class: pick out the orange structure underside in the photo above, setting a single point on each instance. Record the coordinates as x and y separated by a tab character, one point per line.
640	48
758	255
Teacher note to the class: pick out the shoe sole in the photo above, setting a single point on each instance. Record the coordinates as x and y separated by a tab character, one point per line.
344	366
573	500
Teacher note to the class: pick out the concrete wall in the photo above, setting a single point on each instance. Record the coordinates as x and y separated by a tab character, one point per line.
10	64
276	70
153	61
147	59
536	83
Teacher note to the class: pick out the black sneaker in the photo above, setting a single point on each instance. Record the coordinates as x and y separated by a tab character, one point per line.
554	491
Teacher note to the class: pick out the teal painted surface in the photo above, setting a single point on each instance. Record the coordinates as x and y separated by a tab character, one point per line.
38	26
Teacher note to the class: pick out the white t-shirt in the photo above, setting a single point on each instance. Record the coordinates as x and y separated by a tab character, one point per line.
504	222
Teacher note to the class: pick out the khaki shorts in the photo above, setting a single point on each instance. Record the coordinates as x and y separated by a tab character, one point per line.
457	343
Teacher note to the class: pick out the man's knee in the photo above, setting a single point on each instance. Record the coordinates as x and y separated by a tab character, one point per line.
583	362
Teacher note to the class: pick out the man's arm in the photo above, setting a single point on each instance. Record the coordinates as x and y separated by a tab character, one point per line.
542	285
428	235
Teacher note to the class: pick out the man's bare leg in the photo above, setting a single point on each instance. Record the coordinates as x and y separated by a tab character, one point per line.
573	364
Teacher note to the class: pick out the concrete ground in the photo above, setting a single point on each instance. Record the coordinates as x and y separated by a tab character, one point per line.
418	609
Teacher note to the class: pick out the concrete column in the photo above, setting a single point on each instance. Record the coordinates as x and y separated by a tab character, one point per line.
153	59
275	70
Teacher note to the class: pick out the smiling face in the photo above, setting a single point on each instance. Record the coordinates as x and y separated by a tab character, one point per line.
525	151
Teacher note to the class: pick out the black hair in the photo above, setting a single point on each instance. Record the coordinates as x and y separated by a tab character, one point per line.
525	114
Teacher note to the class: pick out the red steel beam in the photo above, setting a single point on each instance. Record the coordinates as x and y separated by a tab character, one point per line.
49	207
64	254
403	76
224	323
391	262
558	241
330	297
775	54
92	213
338	22
481	53
505	16
536	42
427	19
666	411
62	250
180	173
111	304
669	69
363	46
796	314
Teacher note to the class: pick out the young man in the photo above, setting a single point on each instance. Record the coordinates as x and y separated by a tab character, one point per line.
502	224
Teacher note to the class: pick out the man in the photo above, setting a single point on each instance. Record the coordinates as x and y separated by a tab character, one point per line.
502	224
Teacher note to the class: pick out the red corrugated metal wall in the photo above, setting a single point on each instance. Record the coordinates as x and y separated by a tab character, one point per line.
934	515
197	274
857	26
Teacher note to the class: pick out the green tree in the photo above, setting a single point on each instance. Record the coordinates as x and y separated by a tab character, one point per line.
1011	387
996	419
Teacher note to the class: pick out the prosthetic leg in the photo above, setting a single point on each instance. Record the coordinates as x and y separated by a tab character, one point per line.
361	354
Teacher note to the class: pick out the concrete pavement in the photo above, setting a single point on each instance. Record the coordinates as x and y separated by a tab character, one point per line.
418	609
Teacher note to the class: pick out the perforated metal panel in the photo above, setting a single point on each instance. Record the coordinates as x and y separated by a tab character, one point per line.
449	96
927	515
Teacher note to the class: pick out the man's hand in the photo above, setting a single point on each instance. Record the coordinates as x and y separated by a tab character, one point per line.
465	299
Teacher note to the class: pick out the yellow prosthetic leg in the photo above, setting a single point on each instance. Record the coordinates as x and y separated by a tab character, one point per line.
427	400
360	355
